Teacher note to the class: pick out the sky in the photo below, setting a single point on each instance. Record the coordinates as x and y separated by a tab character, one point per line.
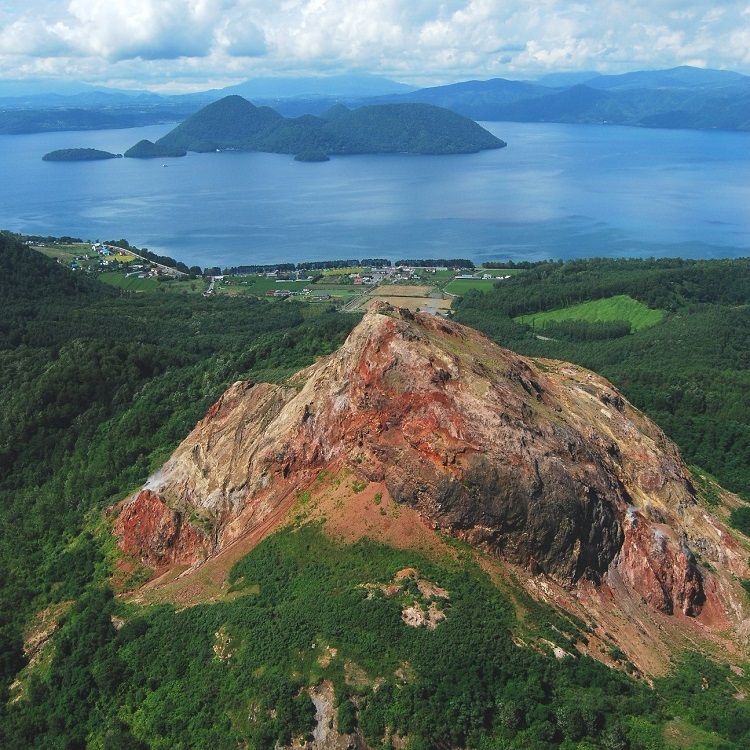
175	46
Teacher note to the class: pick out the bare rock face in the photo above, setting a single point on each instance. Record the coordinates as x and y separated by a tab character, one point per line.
156	533
538	461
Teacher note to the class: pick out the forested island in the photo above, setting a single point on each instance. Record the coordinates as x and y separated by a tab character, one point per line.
79	154
233	123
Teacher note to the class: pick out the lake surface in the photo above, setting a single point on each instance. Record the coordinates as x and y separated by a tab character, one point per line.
556	191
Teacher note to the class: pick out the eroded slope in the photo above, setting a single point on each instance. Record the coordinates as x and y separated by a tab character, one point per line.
539	463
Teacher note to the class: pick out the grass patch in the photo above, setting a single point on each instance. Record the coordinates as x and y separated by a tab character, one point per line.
620	307
129	283
66	252
679	733
706	486
258	285
461	286
345	271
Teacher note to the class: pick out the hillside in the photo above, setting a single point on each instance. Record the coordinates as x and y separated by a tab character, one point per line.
31	117
420	540
415	433
540	464
234	123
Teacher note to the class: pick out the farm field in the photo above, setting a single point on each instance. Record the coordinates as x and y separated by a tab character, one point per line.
129	283
344	271
257	285
437	276
402	290
461	286
620	307
59	251
422	304
339	295
68	254
413	297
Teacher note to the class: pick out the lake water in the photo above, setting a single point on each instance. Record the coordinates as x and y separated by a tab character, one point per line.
556	191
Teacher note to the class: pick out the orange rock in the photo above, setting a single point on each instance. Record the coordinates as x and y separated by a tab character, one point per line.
540	462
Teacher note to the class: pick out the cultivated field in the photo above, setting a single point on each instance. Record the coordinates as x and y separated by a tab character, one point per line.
129	283
402	290
461	286
620	307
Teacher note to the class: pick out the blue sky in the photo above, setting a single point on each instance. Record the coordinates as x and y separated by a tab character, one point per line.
185	45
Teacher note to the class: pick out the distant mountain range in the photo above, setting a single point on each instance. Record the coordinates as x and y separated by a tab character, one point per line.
325	86
53	94
233	123
682	97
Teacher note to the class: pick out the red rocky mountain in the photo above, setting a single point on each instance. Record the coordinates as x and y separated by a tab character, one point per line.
538	463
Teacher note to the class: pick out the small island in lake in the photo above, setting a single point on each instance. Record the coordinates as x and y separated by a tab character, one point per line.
79	154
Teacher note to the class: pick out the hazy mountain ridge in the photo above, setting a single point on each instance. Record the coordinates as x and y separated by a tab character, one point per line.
682	97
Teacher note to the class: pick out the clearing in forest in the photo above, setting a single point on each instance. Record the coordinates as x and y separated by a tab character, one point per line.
620	307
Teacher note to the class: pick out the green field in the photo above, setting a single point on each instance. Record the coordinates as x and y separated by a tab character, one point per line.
257	285
501	271
260	285
620	307
66	252
129	283
437	276
343	271
461	286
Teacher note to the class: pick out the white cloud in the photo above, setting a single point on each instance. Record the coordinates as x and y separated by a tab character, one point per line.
149	29
32	37
240	36
421	40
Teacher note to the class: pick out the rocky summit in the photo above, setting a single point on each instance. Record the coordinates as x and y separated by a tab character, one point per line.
536	462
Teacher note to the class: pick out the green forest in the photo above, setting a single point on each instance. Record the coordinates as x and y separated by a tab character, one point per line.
98	386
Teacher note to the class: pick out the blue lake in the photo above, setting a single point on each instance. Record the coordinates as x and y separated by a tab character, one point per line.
556	191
